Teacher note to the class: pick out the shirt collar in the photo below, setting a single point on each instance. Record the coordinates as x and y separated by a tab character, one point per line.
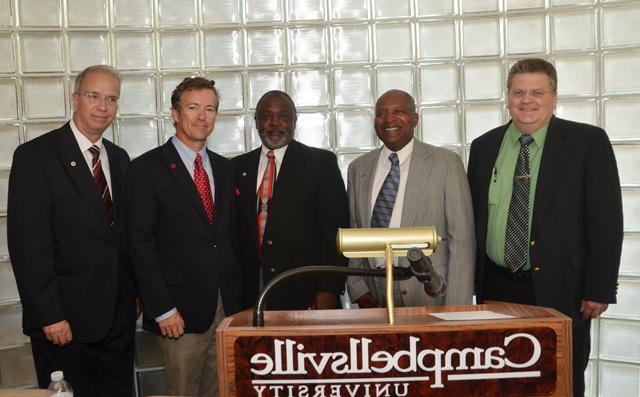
403	153
187	153
82	140
278	153
538	135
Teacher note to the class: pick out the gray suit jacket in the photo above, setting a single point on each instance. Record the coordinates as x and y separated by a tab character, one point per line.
437	194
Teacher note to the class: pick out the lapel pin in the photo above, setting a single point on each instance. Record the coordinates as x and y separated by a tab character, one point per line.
173	166
237	192
244	174
73	163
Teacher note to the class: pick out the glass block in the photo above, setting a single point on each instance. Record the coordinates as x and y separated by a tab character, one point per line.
621	118
584	111
351	43
148	352
151	383
265	46
34	130
628	158
344	159
393	42
480	119
137	95
138	135
5	12
310	87
134	50
392	8
8	288
440	125
220	11
16	367
437	39
223	48
305	10
78	16
253	136
228	135
436	7
88	48
621	73
439	83
11	321
568	2
44	97
620	25
480	5
41	52
9	141
167	131
132	12
619	379
39	12
631	209
263	10
314	129
615	336
8	99
578	75
629	264
573	30
7	60
526	34
353	86
481	37
168	84
178	50
628	298
395	78
521	4
229	85
590	379
354	129
349	9
308	45
176	12
483	80
595	338
261	82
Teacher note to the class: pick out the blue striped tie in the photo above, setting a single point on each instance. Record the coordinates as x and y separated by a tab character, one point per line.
387	197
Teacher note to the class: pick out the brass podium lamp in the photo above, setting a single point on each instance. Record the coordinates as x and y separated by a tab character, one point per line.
387	242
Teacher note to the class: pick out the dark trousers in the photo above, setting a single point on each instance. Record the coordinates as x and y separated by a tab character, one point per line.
99	369
497	285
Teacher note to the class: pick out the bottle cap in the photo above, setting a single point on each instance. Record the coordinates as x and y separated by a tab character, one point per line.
57	376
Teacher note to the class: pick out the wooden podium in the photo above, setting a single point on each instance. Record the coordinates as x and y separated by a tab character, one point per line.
521	351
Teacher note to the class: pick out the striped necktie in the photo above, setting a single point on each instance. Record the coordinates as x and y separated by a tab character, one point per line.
100	180
382	209
264	195
203	186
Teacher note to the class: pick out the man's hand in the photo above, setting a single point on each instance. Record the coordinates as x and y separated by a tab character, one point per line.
591	309
172	327
367	301
58	333
324	301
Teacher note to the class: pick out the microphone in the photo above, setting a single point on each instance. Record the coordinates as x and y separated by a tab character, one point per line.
423	270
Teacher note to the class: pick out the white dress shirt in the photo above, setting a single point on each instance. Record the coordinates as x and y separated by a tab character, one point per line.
85	144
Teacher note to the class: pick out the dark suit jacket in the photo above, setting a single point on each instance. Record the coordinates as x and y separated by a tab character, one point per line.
576	231
66	257
308	206
179	258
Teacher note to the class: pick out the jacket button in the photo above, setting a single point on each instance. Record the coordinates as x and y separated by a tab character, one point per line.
215	245
269	242
536	269
533	243
272	270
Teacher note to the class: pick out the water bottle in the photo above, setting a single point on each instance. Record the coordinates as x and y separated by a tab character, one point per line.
58	386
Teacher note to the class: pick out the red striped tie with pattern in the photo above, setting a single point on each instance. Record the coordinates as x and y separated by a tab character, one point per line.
264	194
204	188
100	180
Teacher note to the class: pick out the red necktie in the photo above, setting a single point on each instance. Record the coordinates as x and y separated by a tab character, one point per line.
100	180
202	184
264	195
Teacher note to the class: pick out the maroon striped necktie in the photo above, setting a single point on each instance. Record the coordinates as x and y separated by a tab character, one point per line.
201	180
100	180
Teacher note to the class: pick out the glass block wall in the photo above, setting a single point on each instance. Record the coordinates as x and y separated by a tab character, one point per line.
334	57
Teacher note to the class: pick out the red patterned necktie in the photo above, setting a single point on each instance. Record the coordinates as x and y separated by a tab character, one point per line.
100	180
264	195
204	188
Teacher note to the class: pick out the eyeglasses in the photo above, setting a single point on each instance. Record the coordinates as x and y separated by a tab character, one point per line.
533	93
94	97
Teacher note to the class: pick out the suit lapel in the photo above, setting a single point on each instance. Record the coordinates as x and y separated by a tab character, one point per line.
116	178
548	174
365	182
419	169
219	179
179	171
76	166
289	173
